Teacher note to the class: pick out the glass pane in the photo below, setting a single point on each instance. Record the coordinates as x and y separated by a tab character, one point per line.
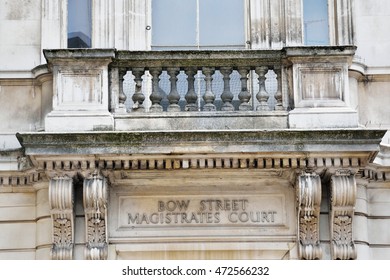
221	23
173	23
79	23
316	29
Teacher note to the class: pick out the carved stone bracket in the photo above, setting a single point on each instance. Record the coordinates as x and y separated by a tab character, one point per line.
343	199
95	207
61	199
309	200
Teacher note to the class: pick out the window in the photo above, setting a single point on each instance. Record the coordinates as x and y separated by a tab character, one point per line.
315	22
79	23
198	24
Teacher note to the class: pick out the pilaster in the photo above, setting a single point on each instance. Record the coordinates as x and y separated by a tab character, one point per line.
309	201
343	199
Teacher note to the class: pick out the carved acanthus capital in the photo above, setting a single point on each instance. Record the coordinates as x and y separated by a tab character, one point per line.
343	199
309	200
95	206
61	199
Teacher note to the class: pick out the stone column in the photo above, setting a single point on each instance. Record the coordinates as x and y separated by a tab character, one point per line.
343	199
61	201
309	201
95	195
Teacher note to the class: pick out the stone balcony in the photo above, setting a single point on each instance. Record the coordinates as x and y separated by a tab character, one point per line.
106	89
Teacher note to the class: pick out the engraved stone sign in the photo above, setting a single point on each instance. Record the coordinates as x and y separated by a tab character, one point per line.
257	214
200	211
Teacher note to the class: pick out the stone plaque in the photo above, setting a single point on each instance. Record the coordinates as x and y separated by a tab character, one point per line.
195	215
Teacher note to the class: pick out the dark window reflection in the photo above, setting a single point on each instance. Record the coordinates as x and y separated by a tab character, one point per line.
79	23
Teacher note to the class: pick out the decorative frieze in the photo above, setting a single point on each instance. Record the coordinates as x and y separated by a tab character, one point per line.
309	200
95	207
343	199
61	200
19	178
162	162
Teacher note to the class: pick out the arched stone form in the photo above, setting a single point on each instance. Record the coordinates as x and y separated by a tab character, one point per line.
309	201
343	199
61	201
95	196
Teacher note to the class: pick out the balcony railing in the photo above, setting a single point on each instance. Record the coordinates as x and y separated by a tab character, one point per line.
171	90
175	81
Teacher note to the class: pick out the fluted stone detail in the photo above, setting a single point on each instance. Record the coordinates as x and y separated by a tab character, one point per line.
95	197
61	201
343	200
309	201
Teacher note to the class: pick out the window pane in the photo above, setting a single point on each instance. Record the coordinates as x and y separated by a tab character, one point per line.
79	23
316	29
173	23
222	23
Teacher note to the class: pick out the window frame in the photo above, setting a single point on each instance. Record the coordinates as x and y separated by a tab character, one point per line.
246	33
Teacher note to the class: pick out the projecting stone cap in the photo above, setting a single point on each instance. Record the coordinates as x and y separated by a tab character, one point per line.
190	142
320	51
63	54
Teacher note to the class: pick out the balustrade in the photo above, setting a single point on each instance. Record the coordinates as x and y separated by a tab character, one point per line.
199	81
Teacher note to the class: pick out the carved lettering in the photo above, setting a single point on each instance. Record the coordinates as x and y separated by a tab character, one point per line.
209	211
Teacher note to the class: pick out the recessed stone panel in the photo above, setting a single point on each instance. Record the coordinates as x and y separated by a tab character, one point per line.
234	213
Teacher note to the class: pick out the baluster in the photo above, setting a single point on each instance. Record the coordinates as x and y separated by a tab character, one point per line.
122	96
138	96
114	88
227	96
173	96
191	96
244	95
262	96
156	96
278	94
208	95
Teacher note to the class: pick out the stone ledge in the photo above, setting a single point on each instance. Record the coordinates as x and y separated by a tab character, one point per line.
201	120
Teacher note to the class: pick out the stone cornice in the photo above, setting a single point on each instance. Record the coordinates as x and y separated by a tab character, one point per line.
205	142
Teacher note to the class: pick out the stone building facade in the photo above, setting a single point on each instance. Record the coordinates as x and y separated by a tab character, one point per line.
133	148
